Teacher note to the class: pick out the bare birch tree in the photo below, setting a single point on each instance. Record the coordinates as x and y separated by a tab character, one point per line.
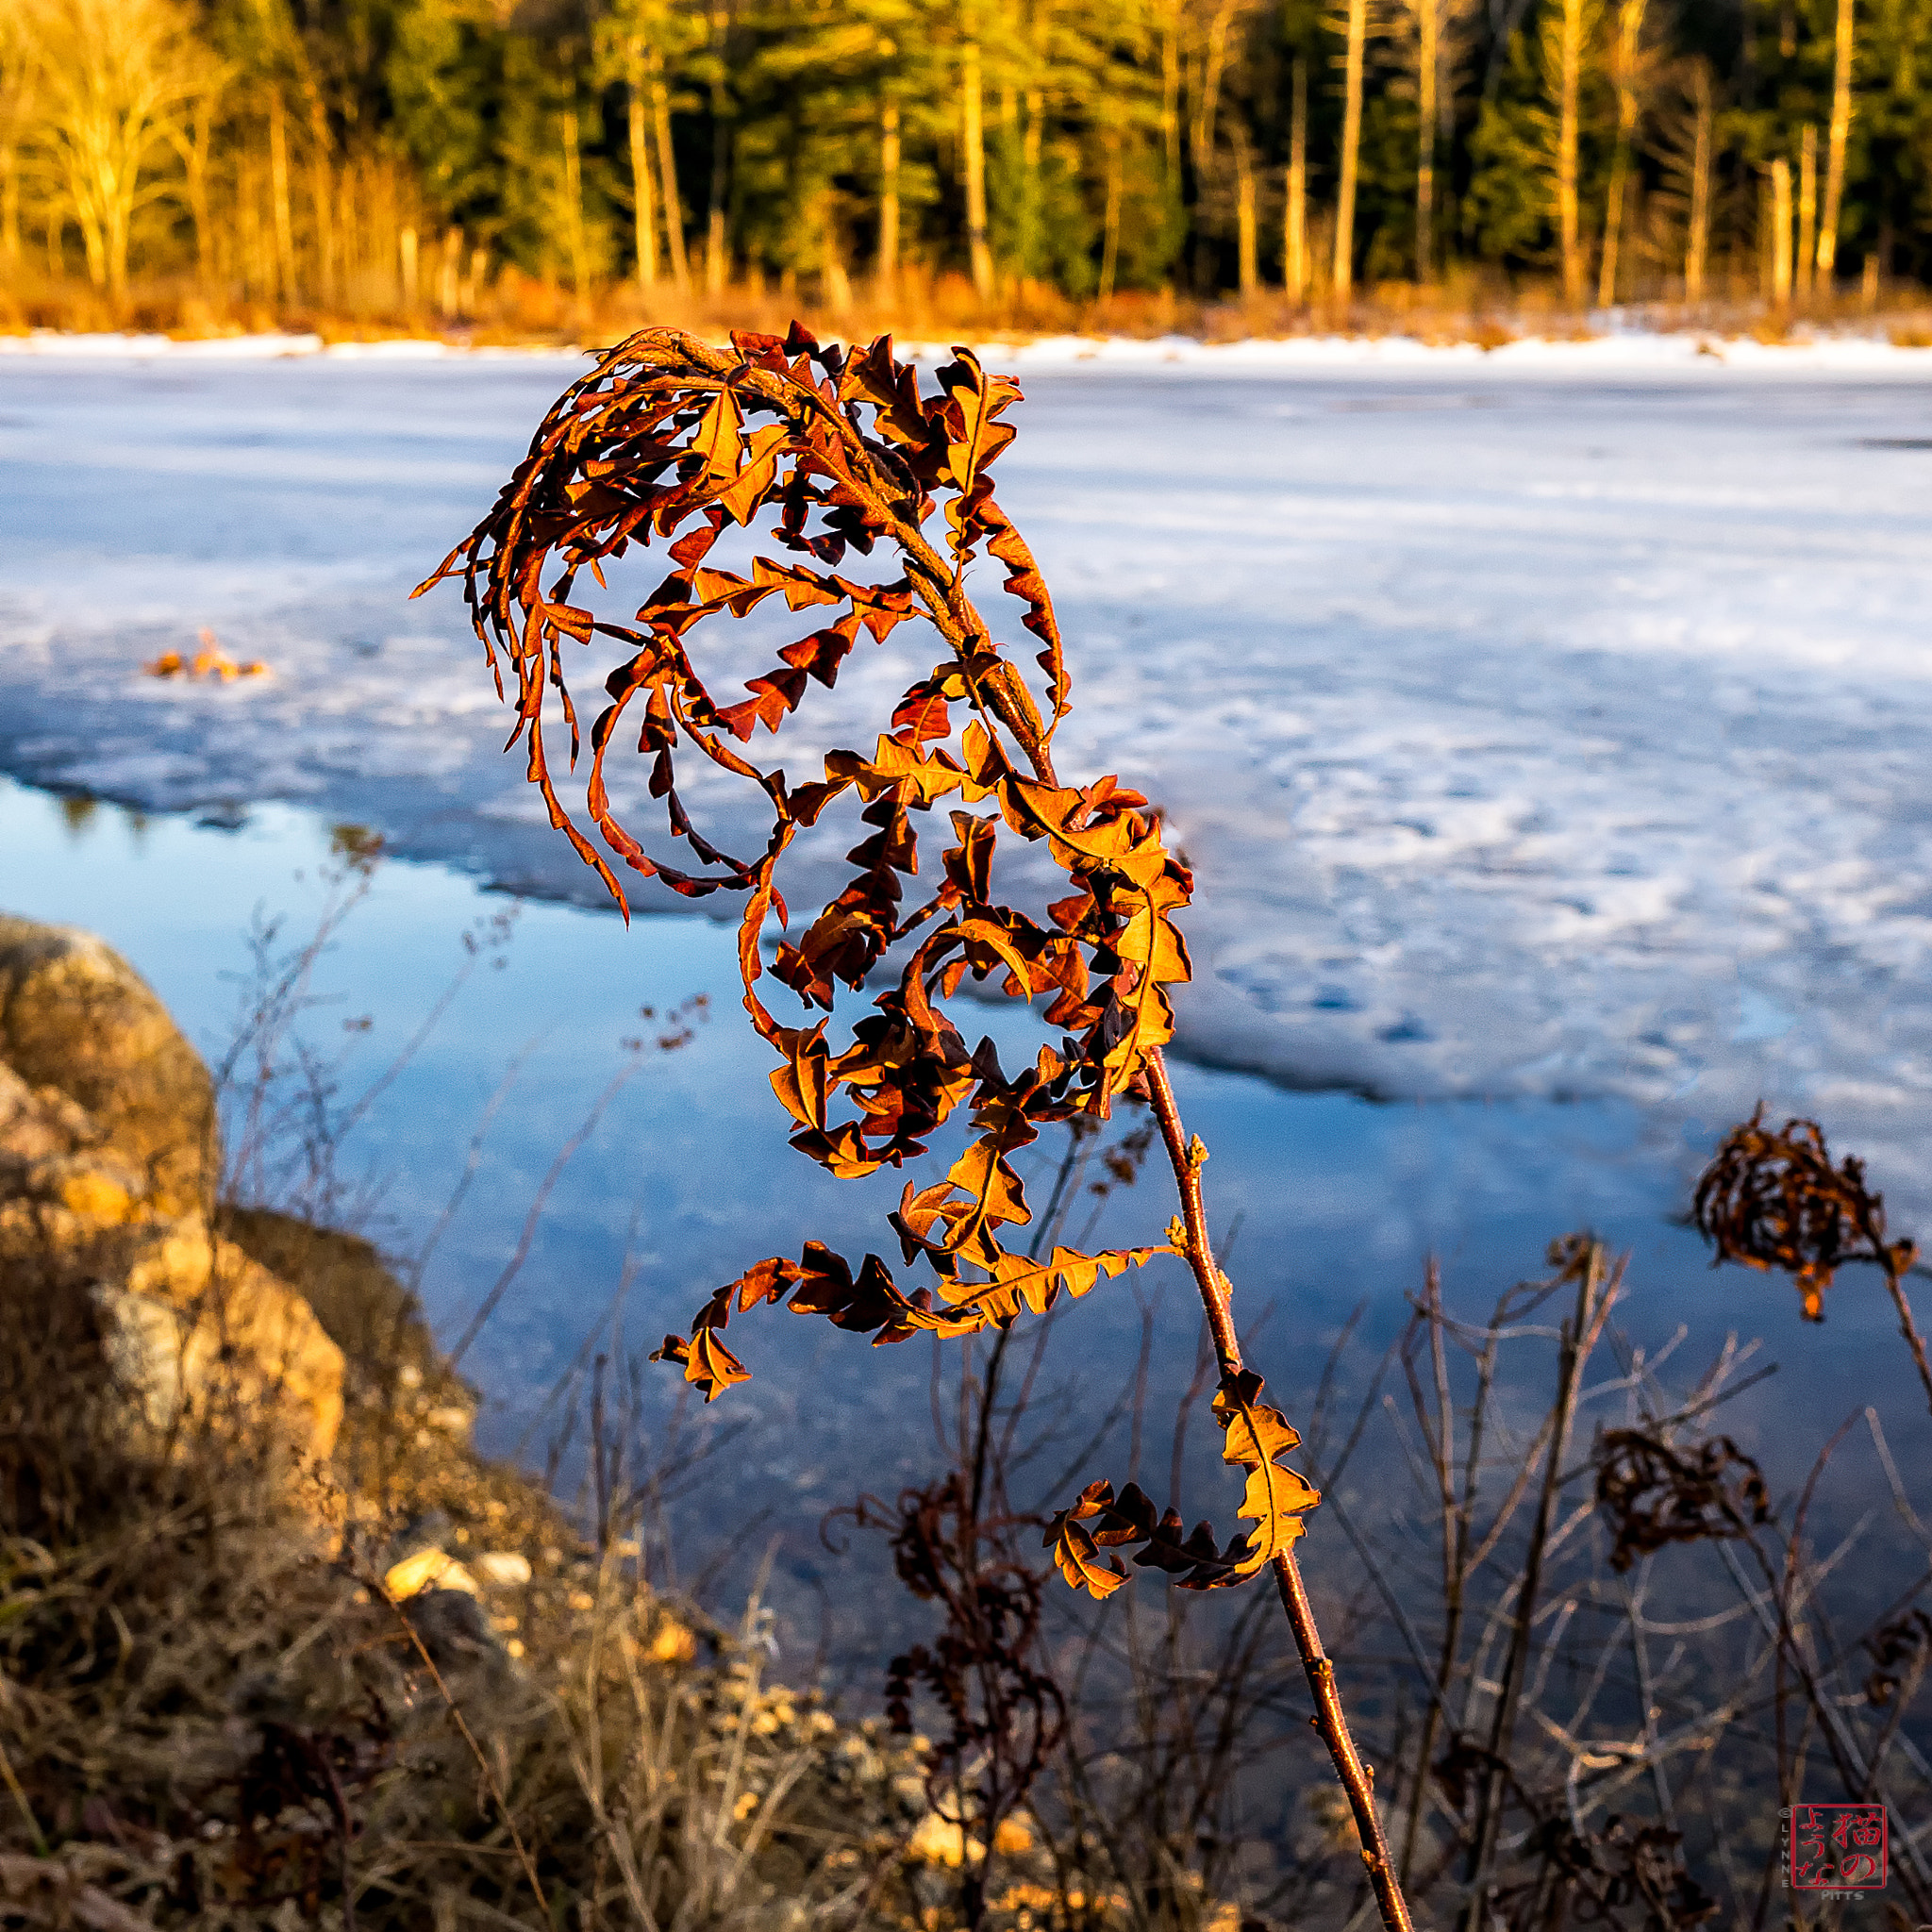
1434	35
1624	68
1294	220
119	79
20	83
1807	209
1780	237
973	138
1568	29
1685	146
624	54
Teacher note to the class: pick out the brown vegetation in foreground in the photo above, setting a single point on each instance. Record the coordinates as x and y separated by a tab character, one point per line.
828	453
274	1639
1589	1653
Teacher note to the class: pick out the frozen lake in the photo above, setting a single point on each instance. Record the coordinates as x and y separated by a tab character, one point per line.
1547	734
1536	727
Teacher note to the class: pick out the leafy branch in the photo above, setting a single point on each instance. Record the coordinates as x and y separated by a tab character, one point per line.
835	454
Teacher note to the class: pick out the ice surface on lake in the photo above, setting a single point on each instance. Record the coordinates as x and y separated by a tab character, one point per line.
1549	723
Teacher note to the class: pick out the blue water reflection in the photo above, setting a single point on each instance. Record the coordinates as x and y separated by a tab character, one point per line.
686	1177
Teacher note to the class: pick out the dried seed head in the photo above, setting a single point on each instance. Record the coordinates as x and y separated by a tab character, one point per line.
1774	1200
1655	1493
1900	1654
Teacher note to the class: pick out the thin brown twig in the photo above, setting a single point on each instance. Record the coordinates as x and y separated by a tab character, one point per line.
1578	1336
1894	1282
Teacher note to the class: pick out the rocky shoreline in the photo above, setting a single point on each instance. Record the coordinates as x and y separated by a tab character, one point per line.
277	1646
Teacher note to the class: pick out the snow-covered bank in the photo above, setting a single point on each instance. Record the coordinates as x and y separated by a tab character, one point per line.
1539	722
1619	350
1623	351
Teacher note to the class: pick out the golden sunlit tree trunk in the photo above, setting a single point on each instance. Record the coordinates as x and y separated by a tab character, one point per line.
1248	268
19	90
1565	33
1697	244
1841	132
575	236
835	284
1781	233
643	198
1032	210
1623	73
322	197
1807	209
1170	91
1294	220
194	143
667	179
278	194
1110	217
717	243
117	81
1429	58
1354	64
246	227
449	274
972	137
887	270
1208	99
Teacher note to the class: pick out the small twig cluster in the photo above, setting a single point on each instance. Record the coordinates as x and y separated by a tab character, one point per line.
1578	1653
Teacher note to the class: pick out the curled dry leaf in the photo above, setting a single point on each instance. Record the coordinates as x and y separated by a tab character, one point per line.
832	455
1257	1436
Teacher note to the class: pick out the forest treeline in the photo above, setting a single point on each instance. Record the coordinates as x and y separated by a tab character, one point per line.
359	156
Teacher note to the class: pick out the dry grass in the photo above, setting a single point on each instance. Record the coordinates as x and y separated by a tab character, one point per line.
213	1715
1483	306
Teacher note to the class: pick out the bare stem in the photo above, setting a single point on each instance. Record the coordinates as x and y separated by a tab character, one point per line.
1908	1329
1330	1720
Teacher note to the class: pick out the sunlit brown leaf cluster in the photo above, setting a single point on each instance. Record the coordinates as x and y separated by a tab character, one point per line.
210	661
1774	1200
1275	1499
834	456
1655	1493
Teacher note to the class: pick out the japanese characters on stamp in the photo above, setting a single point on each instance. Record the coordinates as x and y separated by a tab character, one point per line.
1839	1849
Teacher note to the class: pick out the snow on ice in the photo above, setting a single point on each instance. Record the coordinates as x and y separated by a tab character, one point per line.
1548	723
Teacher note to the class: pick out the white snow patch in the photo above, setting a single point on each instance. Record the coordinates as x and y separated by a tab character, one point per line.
121	347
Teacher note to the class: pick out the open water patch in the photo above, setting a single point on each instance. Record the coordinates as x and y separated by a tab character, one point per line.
1331	1201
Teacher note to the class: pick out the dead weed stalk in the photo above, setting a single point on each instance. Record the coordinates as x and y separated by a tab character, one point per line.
831	452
